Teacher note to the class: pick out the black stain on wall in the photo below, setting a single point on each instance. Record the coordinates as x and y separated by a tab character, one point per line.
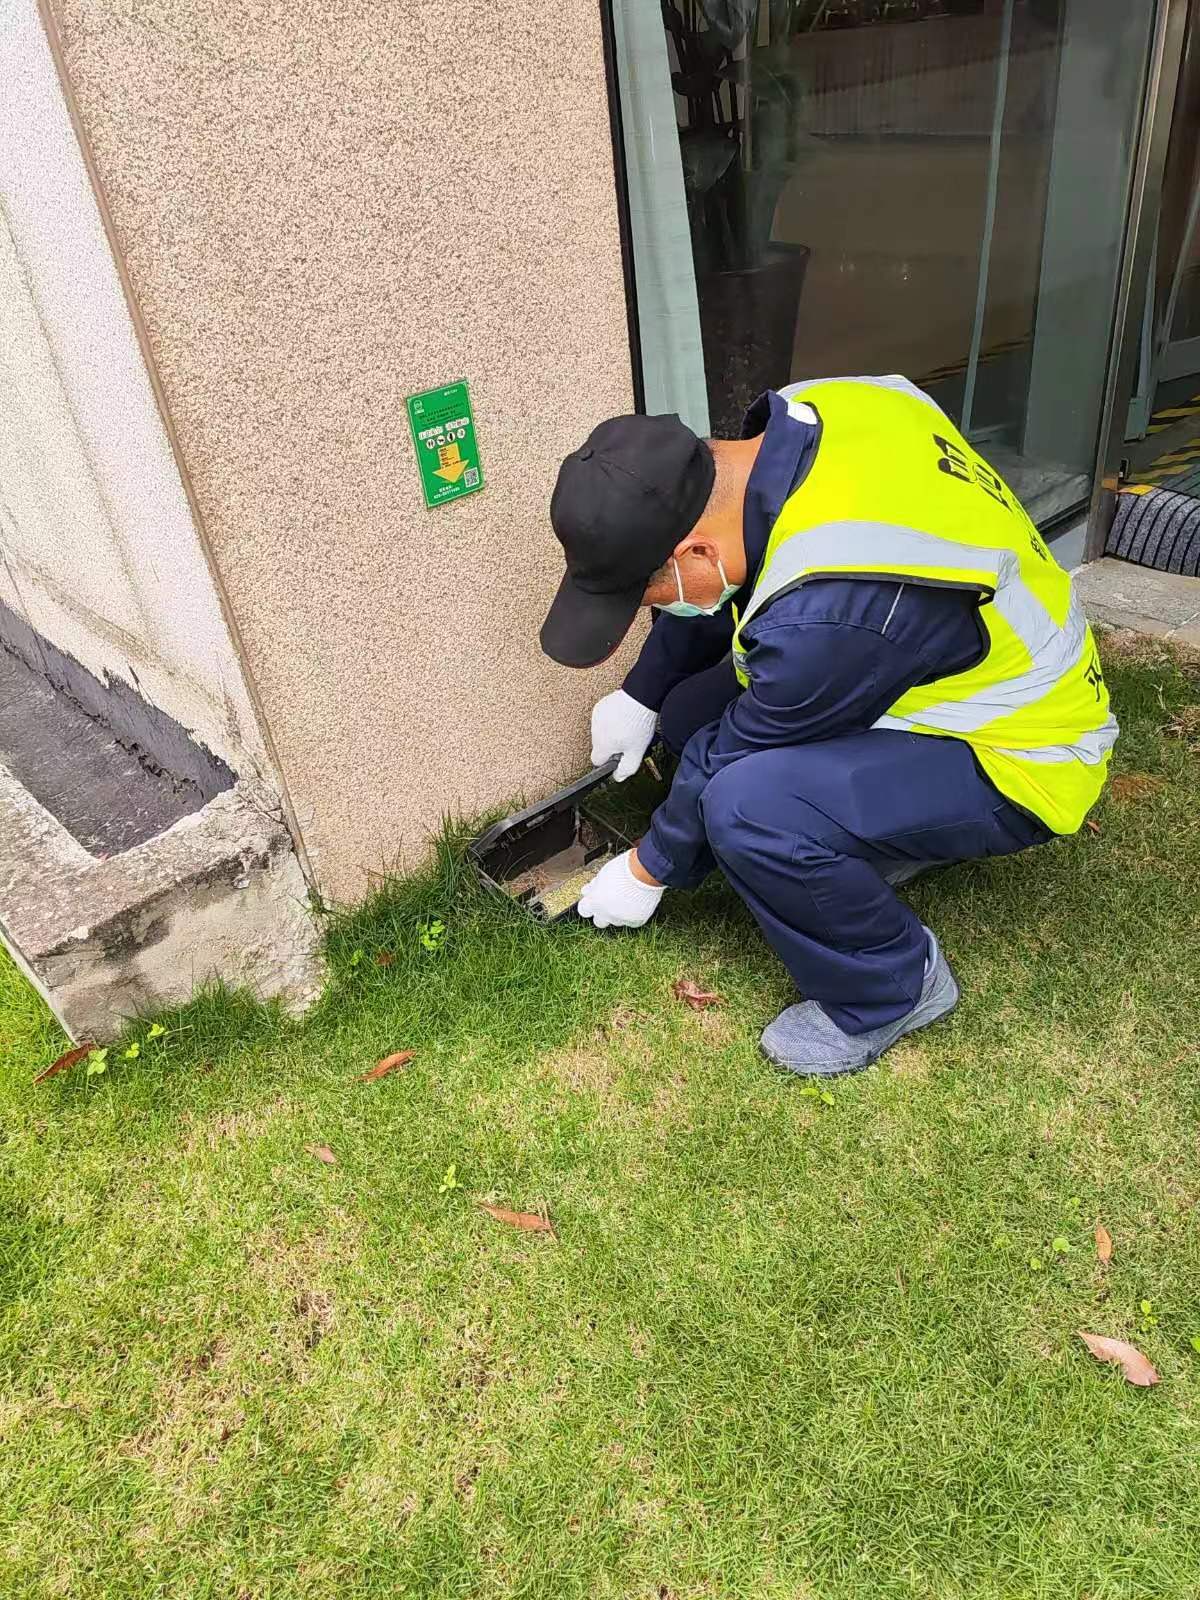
114	769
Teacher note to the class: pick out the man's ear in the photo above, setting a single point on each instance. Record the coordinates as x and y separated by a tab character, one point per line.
696	543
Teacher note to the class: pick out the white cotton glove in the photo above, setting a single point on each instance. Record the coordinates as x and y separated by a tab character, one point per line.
621	726
616	899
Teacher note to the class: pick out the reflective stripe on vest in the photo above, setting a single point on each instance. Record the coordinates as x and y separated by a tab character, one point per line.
1034	708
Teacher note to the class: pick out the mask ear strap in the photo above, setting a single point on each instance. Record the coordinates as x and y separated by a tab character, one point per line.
721	570
678	581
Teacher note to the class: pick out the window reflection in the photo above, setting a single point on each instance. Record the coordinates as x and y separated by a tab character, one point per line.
889	185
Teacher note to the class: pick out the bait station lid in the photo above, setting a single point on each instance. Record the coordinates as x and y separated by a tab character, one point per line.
545	856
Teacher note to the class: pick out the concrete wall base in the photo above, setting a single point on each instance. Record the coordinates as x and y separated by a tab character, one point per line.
220	894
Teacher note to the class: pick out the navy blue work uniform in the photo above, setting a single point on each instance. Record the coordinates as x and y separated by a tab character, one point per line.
788	788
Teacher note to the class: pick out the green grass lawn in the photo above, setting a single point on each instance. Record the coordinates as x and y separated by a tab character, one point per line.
778	1349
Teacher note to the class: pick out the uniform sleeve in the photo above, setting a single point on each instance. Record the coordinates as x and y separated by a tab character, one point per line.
675	649
812	677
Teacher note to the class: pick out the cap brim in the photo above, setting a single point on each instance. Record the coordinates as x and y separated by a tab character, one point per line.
583	629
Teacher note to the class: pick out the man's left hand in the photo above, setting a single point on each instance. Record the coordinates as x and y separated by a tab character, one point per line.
618	897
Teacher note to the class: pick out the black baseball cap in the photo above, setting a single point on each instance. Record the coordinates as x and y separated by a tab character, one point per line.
620	506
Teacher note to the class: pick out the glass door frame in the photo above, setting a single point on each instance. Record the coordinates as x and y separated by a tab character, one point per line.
1143	206
1137	263
1162	357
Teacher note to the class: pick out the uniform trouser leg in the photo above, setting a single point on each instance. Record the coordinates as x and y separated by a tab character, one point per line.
804	834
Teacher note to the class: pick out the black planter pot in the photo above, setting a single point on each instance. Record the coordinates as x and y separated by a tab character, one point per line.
748	328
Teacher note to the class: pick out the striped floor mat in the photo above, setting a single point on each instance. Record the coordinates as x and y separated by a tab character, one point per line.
1179	467
1157	528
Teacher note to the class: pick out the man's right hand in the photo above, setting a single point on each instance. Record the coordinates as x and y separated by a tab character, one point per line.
621	726
618	898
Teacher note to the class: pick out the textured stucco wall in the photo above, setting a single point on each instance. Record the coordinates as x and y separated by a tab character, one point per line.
321	209
98	550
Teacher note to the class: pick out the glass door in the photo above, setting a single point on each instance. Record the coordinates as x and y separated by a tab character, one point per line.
932	187
1167	386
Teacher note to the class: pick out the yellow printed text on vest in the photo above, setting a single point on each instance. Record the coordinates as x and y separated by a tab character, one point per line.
895	491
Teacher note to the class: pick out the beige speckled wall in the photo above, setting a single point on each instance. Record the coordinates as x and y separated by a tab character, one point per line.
322	208
97	544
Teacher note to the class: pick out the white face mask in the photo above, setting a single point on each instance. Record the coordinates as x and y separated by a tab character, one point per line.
684	608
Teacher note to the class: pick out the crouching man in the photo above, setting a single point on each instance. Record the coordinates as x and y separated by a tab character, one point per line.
868	662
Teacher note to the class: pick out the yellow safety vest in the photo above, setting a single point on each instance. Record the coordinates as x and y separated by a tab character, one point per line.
895	491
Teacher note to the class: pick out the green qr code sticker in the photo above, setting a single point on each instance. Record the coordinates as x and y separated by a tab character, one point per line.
443	435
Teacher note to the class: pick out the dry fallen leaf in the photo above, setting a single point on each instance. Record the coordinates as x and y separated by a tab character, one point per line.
1093	825
385	958
322	1153
388	1064
71	1059
693	995
1103	1244
529	1220
1185	724
1135	785
1130	1360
